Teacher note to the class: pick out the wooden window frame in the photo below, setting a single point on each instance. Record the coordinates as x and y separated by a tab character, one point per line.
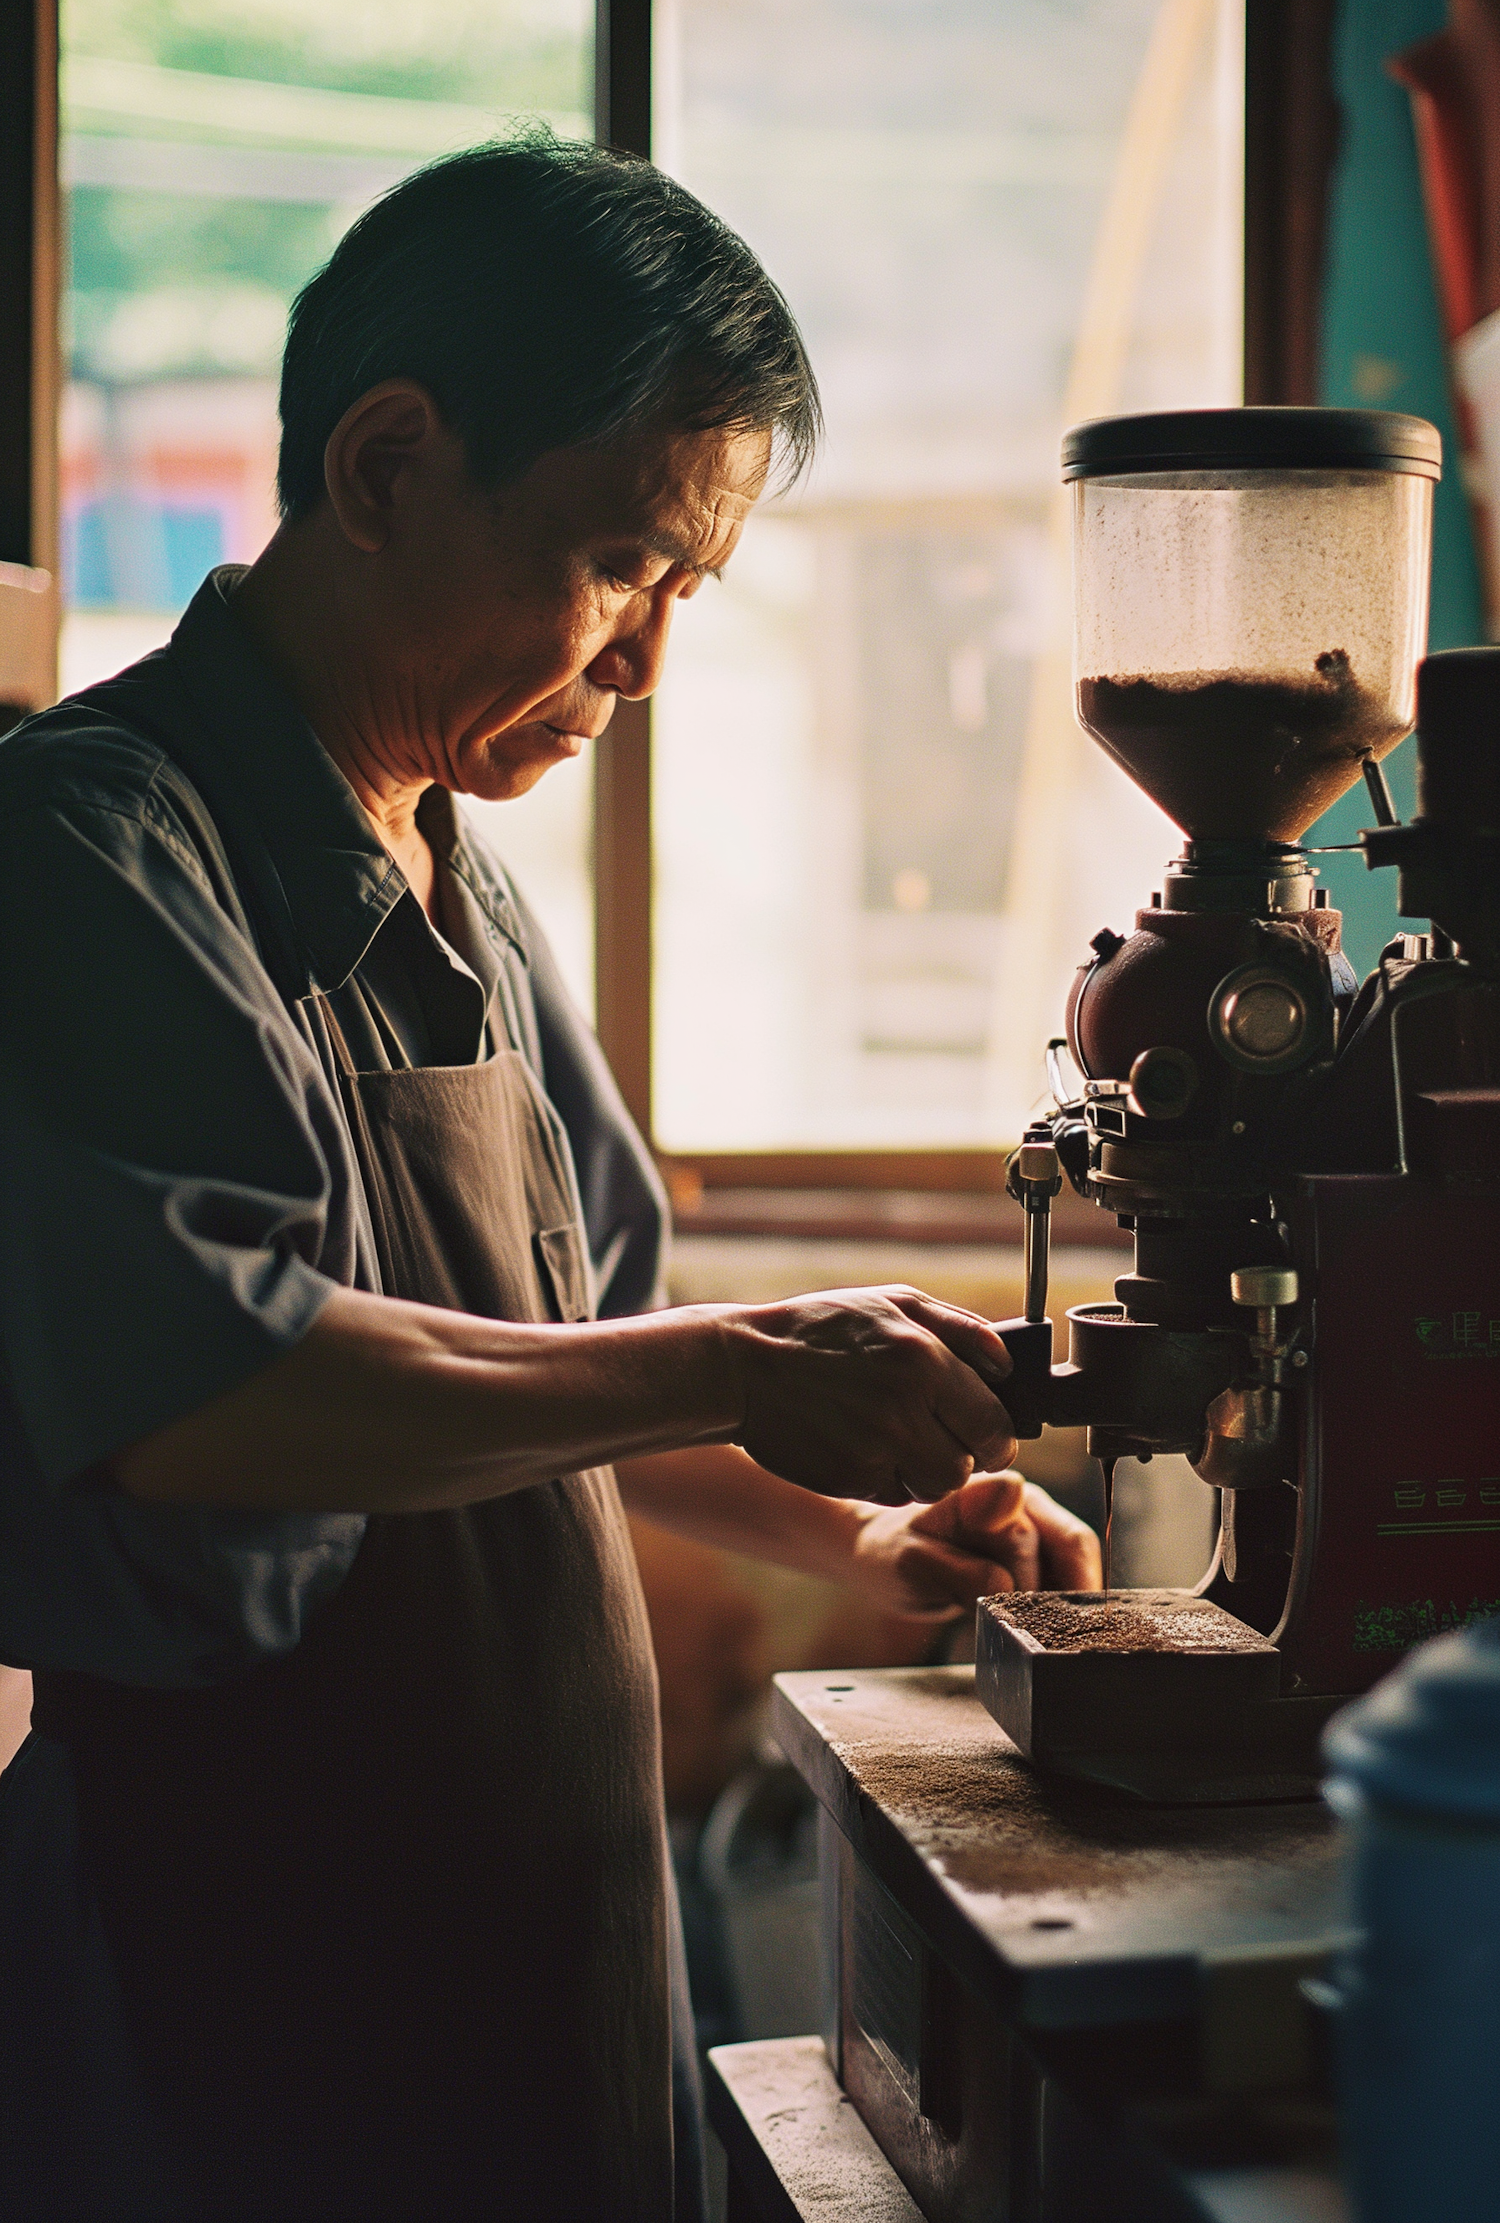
30	371
1291	130
1291	139
622	757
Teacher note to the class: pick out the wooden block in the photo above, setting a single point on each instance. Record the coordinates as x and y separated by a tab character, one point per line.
798	2152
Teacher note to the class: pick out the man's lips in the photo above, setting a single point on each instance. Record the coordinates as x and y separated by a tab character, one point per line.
571	737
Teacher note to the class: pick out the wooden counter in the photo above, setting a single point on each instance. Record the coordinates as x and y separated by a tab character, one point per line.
1042	1998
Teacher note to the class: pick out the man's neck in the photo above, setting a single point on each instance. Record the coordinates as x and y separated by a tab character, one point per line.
289	604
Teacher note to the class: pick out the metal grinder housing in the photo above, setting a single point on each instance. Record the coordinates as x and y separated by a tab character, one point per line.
1310	1165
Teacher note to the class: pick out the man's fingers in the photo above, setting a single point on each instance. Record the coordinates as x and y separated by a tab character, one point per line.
951	1580
929	1465
1070	1550
1013	1527
974	1415
969	1396
967	1335
1019	1549
993	1513
985	1504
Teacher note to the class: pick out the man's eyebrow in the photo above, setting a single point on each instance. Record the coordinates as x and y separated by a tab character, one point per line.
675	551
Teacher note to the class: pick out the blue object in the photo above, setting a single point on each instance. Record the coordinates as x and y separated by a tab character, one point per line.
128	552
1416	1780
1383	348
85	560
193	546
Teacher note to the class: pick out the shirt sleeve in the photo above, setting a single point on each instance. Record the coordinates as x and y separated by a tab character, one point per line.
167	1186
168	1145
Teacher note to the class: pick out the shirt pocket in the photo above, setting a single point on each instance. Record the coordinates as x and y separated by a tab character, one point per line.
562	1272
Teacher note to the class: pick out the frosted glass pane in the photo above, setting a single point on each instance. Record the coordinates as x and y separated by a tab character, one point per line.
881	842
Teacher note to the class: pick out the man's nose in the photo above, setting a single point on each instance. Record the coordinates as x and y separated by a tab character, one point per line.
632	663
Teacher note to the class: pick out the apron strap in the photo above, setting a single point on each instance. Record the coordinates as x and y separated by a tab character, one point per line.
336	1040
366	1157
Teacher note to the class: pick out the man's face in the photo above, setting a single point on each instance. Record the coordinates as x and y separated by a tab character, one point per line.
517	618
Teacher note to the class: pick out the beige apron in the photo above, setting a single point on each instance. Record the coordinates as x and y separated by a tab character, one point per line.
390	1912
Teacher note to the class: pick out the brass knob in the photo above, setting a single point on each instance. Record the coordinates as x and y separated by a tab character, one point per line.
1264	1020
1263	1287
1261	1021
1037	1161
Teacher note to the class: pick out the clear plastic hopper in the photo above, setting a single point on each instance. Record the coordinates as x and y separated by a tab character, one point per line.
1250	604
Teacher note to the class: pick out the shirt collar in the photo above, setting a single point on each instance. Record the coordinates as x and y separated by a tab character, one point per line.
339	881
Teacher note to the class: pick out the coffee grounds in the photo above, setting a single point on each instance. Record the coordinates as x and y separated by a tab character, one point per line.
1236	756
1062	1625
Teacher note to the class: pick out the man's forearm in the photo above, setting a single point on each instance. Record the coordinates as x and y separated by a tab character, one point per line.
716	1494
392	1407
386	1406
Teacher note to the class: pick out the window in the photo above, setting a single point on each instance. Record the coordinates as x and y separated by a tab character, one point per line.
880	841
213	153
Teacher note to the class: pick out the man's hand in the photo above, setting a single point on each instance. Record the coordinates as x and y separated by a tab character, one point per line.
881	1393
998	1532
923	1562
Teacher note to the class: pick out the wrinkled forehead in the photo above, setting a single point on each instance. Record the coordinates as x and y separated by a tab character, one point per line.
686	494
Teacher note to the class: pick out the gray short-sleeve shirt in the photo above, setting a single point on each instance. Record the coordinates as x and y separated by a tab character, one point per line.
185	877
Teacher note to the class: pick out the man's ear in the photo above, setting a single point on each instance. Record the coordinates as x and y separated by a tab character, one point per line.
374	444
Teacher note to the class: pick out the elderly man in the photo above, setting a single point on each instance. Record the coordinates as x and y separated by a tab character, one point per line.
330	1257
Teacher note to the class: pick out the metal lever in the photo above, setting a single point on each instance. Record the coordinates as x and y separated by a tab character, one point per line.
1036	1177
1380	794
1026	1391
1065	1098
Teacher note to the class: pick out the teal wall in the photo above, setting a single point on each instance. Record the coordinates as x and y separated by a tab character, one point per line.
1383	349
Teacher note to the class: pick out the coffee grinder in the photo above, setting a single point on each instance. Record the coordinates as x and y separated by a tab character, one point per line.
1309	1165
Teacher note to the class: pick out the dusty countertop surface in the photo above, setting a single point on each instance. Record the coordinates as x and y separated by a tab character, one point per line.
1066	1906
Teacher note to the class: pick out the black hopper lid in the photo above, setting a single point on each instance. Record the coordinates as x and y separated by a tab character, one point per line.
1253	440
